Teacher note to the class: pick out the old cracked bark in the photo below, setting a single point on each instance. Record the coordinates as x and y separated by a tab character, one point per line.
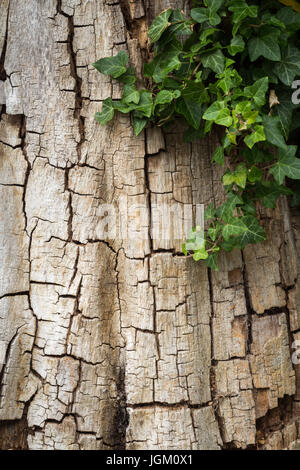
125	344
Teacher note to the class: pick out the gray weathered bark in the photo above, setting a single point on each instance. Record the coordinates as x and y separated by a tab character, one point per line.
113	344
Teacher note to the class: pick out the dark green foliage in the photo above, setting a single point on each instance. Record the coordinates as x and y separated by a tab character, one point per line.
232	65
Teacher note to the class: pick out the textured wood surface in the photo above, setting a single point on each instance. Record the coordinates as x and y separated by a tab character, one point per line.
125	343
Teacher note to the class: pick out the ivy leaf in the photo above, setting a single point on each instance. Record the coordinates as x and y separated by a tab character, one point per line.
265	46
218	156
214	110
214	5
290	18
191	110
164	97
269	192
285	112
254	233
195	92
130	94
212	261
159	25
287	165
225	211
236	45
139	124
114	66
145	103
258	91
107	112
241	10
287	69
233	228
163	64
209	212
214	61
255	174
128	78
257	136
273	131
200	15
238	176
200	254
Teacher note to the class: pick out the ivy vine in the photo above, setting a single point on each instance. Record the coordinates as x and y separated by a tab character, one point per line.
231	64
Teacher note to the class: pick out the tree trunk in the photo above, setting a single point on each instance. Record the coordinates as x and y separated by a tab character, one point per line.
122	342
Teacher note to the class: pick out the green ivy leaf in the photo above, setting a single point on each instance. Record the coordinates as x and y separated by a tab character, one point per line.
191	110
107	112
200	254
218	156
159	25
287	69
238	176
258	91
273	131
164	97
209	212
114	66
214	5
236	45
145	103
257	136
265	46
269	192
201	15
255	174
214	61
242	10
287	164
138	124
130	94
212	261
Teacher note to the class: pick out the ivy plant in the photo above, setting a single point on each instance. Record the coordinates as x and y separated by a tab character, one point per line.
231	66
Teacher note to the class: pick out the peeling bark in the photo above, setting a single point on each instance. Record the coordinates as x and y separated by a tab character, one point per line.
123	343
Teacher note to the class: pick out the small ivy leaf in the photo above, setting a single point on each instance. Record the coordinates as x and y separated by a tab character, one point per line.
257	136
254	233
233	228
163	64
287	165
236	45
191	110
107	112
265	46
224	118
238	176
114	66
242	10
138	124
200	254
214	61
145	103
212	233
127	78
287	69
184	250
164	97
123	107
195	92
273	131
212	261
130	94
214	110
226	83
218	156
214	5
225	211
284	111
201	15
210	212
159	25
255	174
258	91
